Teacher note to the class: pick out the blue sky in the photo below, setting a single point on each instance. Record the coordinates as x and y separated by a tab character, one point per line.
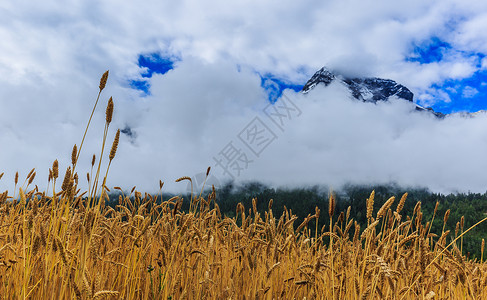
151	63
466	94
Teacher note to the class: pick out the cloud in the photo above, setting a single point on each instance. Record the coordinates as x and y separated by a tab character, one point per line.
469	92
273	37
52	55
334	140
470	35
196	109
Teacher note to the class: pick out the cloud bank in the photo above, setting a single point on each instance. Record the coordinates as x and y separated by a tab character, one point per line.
196	110
52	55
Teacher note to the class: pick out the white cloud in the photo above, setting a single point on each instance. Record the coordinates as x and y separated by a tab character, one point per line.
52	55
471	35
334	141
431	96
469	92
271	36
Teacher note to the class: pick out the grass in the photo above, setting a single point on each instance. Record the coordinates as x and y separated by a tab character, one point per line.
65	244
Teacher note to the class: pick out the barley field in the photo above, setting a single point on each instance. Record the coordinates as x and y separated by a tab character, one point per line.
64	243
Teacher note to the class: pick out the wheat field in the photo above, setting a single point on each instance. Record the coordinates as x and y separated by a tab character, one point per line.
66	244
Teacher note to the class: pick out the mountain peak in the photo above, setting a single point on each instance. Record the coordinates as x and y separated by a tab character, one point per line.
322	76
366	89
377	89
371	89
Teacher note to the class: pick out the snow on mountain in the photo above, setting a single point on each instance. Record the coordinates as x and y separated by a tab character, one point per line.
366	89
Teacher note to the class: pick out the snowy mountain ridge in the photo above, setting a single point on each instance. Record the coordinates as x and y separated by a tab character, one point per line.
366	89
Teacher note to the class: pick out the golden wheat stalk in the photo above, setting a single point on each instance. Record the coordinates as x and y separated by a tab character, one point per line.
103	82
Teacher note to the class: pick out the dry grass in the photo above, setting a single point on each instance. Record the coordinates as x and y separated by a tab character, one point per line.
64	244
145	250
